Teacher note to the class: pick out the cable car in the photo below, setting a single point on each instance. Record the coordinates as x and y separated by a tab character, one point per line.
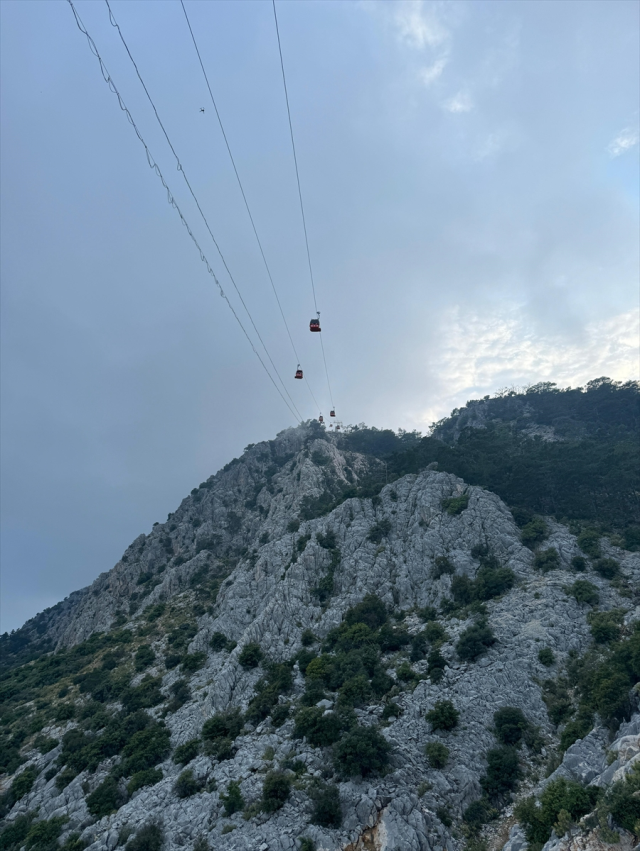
337	426
314	325
320	419
332	414
298	372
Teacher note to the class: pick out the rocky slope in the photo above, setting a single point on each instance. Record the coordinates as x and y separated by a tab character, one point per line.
237	602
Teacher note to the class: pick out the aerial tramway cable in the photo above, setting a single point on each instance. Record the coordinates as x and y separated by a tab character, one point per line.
244	197
170	198
115	24
304	221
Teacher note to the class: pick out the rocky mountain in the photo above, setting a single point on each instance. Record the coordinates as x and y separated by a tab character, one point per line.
359	640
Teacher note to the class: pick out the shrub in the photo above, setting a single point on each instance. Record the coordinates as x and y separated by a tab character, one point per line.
418	647
546	657
192	662
584	592
278	681
605	626
144	657
444	815
623	802
45	744
320	729
23	783
144	696
279	714
437	754
443	716
456	504
492	581
502	772
561	794
148	838
219	641
436	663
607	568
327	811
579	564
186	752
574	730
307	844
390	639
145	749
186	784
148	777
181	694
361	752
474	641
106	799
220	731
233	800
589	543
510	725
478	813
64	712
250	656
43	835
534	532
391	710
371	612
307	638
379	531
547	560
275	791
443	567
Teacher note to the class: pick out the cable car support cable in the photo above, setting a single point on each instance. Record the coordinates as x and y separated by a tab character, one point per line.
304	221
171	199
244	197
115	24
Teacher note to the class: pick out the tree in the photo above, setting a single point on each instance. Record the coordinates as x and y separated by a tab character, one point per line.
362	752
443	716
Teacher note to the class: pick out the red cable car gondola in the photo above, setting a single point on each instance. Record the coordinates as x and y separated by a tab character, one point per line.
332	413
298	372
320	419
314	325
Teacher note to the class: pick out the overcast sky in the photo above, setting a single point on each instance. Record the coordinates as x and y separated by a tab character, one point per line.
470	177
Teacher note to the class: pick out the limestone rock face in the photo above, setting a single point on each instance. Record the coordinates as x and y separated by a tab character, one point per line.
258	531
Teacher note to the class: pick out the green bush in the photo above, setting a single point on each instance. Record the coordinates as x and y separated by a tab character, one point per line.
418	647
391	638
307	638
233	800
183	754
443	716
547	560
445	816
145	749
181	694
492	581
278	680
584	592
192	662
148	777
443	567
250	656
546	657
561	794
219	641
144	696
220	731
379	531
327	810
106	799
437	754
478	813
607	568
319	729
589	543
371	612
279	714
455	504
144	657
474	641
148	838
307	844
574	730
605	626
534	532
23	783
362	752
623	802
436	663
579	564
502	772
186	784
510	725
45	744
43	835
13	837
275	791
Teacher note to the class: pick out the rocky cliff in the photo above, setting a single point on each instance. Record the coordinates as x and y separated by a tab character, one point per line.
313	653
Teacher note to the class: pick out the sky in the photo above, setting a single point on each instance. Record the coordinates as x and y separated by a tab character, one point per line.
470	176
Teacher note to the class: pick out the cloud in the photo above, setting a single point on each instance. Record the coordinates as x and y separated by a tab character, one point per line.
419	24
430	74
485	352
623	142
459	103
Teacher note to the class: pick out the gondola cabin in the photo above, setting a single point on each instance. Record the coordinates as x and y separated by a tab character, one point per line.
332	414
314	325
320	419
298	373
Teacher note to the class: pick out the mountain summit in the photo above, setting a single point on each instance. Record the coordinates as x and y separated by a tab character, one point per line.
363	640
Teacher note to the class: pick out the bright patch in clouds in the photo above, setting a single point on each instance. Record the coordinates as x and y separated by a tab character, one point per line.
459	103
484	353
624	141
419	25
430	74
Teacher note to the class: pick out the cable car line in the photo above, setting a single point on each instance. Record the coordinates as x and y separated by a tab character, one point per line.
115	24
170	198
304	221
244	197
